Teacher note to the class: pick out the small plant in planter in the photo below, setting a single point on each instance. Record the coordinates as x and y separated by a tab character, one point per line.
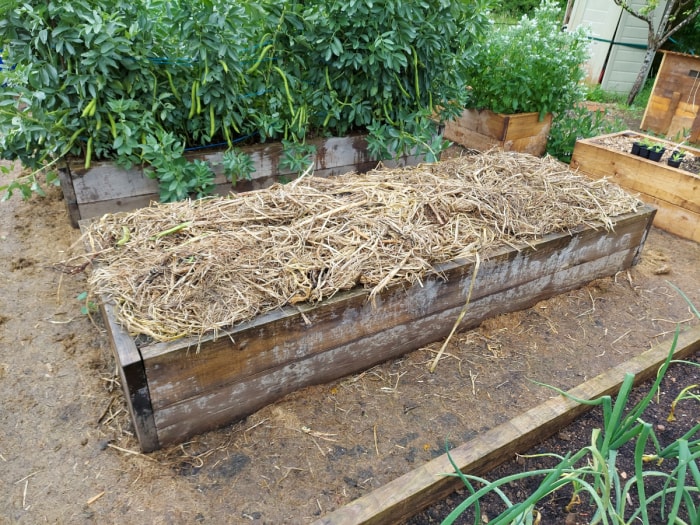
636	145
677	156
676	159
645	146
656	151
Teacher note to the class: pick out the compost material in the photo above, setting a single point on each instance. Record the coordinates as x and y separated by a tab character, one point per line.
193	267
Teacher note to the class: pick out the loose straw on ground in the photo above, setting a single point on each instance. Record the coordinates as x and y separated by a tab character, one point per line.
197	267
461	315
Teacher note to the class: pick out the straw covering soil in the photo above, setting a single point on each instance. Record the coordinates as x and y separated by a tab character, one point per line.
189	268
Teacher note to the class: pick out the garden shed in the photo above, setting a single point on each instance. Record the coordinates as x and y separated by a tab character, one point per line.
674	106
619	41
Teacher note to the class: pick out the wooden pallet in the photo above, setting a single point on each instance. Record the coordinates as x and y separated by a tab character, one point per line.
181	388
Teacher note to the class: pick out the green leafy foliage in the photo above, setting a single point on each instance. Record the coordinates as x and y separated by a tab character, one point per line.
87	306
297	157
593	470
518	8
237	165
178	178
575	124
532	66
109	79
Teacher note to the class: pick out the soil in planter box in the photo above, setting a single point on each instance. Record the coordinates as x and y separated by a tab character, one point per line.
193	267
557	507
623	143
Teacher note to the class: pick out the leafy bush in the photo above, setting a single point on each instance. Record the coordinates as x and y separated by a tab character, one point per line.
575	124
532	66
109	79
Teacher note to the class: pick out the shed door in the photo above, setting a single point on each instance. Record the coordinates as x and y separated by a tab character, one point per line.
619	41
602	17
626	58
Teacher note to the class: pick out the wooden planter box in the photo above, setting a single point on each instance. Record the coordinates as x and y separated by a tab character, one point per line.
484	129
404	497
107	188
672	109
675	192
178	389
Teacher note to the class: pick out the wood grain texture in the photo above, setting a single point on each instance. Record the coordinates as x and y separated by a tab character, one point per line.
107	188
409	494
675	192
673	105
483	129
69	197
132	375
196	385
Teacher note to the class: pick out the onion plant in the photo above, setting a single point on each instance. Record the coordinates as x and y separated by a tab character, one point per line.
592	471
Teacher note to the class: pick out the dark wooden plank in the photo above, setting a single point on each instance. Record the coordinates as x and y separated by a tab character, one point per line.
189	367
239	398
69	196
409	494
107	188
132	374
133	378
362	336
105	181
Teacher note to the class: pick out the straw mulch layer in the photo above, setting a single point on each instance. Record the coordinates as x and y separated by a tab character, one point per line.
189	268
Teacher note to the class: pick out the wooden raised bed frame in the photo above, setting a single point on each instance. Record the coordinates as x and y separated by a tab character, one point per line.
675	192
409	494
107	188
484	129
178	389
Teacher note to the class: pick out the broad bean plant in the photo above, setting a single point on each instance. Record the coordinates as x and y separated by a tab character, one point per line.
141	82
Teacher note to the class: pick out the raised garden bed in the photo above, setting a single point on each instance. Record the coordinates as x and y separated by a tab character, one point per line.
484	129
178	388
674	191
107	188
409	494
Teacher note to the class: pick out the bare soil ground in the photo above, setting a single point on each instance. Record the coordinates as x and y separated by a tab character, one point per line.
67	450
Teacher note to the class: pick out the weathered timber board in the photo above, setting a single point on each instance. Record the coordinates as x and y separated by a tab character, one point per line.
133	374
672	108
483	129
675	192
196	385
107	188
407	495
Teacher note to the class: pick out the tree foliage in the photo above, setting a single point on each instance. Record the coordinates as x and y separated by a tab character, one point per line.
676	15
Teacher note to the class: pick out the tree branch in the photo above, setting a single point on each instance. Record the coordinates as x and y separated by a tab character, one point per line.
627	7
692	15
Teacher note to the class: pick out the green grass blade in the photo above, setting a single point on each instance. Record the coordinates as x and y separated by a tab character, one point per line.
618	429
687	300
639	448
458	472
